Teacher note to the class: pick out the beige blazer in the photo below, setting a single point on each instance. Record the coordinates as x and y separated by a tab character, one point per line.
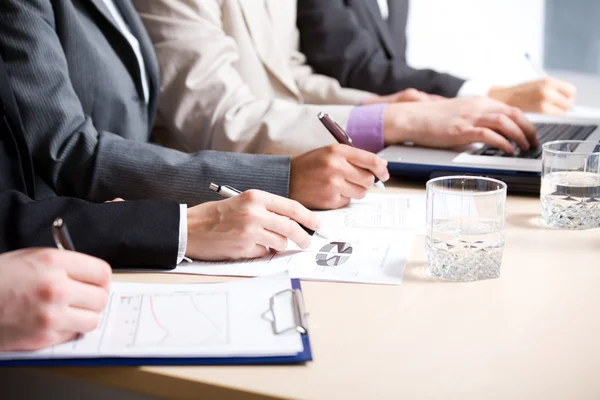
233	79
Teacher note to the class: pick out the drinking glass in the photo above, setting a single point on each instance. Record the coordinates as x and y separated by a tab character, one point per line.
570	191
465	227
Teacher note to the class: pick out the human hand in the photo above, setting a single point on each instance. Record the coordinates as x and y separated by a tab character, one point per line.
456	122
246	226
406	95
329	177
49	296
547	95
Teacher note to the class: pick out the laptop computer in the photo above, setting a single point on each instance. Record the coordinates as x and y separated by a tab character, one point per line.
521	171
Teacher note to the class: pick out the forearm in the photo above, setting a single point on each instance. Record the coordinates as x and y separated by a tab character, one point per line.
142	233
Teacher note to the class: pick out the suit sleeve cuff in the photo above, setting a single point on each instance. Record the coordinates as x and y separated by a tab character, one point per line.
181	250
474	88
365	127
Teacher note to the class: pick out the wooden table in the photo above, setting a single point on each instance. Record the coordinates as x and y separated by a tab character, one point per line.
532	334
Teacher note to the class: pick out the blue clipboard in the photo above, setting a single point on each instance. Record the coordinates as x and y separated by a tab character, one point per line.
302	357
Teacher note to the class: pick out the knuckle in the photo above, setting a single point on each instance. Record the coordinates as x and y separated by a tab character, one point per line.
46	319
50	257
251	196
332	149
50	290
546	94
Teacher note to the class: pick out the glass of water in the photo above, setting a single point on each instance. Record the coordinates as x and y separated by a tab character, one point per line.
465	227
570	191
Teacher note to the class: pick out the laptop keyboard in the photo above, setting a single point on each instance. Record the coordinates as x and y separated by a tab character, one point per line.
547	133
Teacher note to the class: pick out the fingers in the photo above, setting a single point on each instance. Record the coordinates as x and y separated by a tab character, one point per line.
258	251
79	320
359	176
489	137
368	161
525	124
564	88
279	229
275	241
291	209
85	296
506	126
549	108
353	191
86	269
553	100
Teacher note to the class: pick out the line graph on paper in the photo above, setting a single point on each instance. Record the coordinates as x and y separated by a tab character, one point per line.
171	320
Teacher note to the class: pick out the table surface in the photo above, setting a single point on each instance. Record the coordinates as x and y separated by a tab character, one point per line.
532	333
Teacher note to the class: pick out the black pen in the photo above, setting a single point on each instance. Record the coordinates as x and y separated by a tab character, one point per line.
228	191
61	236
341	137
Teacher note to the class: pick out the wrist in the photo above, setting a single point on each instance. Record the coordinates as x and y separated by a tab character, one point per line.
398	125
199	219
499	93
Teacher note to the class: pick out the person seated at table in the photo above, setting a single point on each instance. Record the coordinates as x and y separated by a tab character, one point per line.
362	44
48	297
232	78
85	77
149	233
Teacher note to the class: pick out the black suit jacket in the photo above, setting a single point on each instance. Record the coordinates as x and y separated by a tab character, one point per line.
140	233
350	41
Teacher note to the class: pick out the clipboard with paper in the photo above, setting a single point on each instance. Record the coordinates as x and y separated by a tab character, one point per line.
249	321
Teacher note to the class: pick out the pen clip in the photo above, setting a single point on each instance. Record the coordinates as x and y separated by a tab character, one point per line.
298	308
344	132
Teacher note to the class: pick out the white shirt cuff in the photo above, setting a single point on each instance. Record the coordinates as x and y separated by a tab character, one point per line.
474	88
182	233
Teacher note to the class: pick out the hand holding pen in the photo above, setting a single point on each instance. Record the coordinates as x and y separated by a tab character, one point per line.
247	225
342	137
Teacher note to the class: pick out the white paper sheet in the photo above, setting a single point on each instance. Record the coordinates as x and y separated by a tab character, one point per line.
350	255
185	320
392	211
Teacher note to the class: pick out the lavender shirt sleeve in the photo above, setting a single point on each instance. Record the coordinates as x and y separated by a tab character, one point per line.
365	127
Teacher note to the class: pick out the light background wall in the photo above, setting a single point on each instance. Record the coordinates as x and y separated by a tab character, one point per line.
481	39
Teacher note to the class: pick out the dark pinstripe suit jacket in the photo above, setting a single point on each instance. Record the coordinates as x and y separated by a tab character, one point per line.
132	233
77	83
350	41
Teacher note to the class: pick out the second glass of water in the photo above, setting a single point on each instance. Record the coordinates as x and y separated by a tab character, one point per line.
570	191
465	227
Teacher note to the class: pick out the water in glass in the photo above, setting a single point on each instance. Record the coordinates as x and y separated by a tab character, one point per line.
571	199
464	250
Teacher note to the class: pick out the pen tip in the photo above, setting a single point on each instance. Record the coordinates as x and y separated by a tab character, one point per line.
319	234
380	185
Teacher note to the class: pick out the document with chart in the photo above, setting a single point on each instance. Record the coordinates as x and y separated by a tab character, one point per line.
369	242
350	255
233	319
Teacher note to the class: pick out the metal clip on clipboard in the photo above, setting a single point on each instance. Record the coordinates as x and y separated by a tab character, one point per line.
299	310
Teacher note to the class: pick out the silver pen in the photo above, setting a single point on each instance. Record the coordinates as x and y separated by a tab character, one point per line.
228	191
